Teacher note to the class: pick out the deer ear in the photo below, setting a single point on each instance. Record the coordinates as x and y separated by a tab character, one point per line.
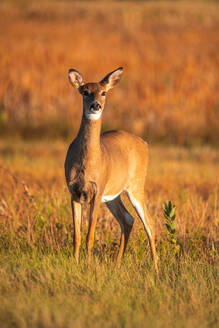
75	78
111	79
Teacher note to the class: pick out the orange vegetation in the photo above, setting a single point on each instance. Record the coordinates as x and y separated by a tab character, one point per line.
170	87
33	188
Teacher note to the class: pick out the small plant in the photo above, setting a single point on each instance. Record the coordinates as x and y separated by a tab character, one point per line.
170	221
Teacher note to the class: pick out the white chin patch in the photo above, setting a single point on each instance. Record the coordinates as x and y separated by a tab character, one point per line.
92	116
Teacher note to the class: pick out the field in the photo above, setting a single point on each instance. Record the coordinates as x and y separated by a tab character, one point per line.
169	95
41	286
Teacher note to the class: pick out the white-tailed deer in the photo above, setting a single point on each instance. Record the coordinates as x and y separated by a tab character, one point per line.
99	167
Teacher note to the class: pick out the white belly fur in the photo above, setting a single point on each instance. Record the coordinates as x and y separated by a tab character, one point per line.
108	198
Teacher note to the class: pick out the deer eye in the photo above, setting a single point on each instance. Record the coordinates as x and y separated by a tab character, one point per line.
85	93
103	93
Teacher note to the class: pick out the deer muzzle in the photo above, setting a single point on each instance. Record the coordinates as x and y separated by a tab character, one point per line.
95	107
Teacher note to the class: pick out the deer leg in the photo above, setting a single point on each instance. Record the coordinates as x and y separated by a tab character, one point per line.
76	213
140	208
94	211
126	223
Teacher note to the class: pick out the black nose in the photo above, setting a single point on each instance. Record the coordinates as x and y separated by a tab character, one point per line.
95	106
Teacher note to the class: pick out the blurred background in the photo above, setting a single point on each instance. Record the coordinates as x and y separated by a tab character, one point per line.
169	51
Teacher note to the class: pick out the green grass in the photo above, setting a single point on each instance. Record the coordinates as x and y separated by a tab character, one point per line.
47	289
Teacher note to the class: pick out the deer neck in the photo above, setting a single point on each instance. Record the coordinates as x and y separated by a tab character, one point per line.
89	138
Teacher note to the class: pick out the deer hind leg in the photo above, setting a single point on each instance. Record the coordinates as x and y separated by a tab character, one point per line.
126	223
76	213
138	203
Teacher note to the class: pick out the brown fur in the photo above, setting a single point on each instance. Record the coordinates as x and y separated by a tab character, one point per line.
99	165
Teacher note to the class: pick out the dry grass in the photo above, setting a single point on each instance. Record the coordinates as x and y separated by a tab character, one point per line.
188	177
169	52
40	284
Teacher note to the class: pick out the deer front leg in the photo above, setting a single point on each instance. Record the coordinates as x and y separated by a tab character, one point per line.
94	211
76	213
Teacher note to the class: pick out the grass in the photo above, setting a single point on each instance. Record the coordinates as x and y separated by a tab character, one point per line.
170	91
40	284
49	290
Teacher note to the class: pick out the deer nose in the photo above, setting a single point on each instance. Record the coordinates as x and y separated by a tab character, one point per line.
95	106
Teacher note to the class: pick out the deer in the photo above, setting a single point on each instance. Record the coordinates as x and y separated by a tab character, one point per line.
100	167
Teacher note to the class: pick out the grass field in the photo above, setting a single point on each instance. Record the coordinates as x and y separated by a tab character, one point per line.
40	284
169	94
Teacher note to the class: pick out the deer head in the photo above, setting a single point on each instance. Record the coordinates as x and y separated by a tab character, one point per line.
94	94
